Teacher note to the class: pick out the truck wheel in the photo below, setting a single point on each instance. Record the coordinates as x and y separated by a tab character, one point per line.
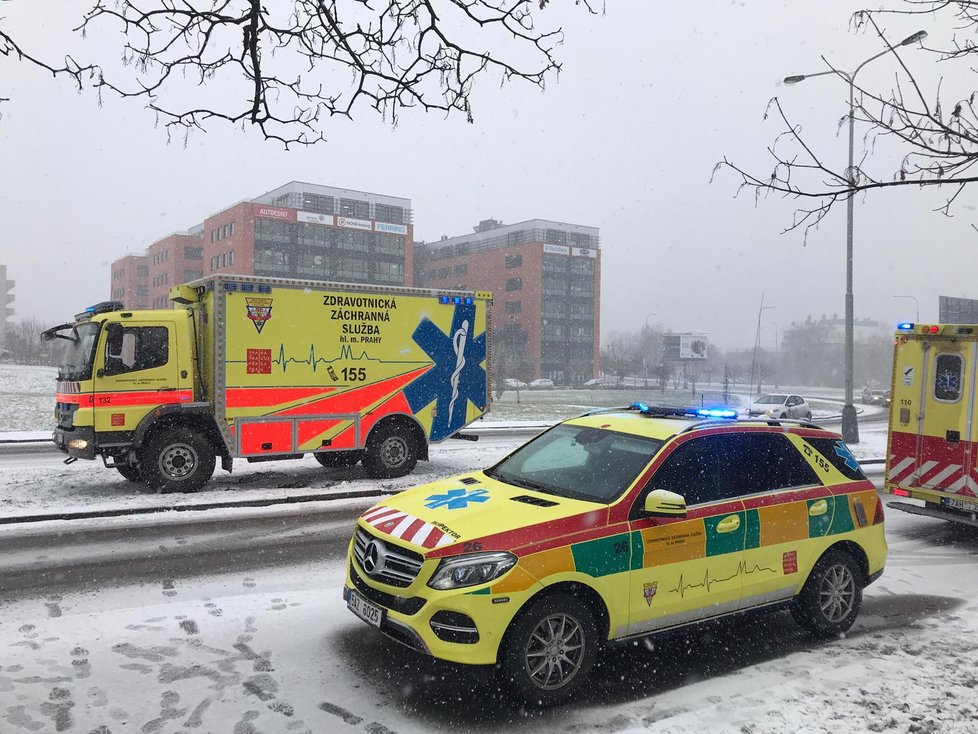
550	650
390	453
177	460
830	600
336	459
129	472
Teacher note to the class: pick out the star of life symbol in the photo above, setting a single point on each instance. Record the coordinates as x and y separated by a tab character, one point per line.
456	499
259	311
843	452
648	591
458	344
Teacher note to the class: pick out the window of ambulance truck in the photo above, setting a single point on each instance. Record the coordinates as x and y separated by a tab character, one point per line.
79	354
133	348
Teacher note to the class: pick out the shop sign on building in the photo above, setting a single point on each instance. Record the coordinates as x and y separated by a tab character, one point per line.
351	223
314	218
390	228
557	249
274	212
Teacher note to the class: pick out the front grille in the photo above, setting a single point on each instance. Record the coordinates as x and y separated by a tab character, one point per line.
404	605
396	566
65	413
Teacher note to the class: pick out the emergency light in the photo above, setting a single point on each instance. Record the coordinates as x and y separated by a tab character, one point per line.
716	413
905	326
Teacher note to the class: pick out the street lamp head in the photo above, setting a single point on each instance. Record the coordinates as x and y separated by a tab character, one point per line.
915	38
794	79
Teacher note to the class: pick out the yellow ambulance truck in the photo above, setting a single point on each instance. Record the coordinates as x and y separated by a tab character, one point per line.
267	368
933	438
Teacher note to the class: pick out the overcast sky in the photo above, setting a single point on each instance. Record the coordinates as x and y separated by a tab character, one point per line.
651	96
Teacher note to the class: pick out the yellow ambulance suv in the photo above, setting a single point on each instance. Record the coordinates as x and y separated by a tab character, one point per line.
619	524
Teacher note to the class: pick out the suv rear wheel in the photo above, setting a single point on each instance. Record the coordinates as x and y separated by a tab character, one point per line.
550	650
830	600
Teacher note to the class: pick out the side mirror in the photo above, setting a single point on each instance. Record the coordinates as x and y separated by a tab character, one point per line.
663	503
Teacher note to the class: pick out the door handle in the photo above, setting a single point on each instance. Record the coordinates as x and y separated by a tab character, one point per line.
728	524
818	508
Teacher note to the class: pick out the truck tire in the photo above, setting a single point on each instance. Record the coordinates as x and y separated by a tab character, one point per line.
390	452
337	459
129	472
177	459
830	600
549	650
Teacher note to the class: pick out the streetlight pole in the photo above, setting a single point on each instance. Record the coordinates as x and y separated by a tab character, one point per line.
916	303
776	355
645	361
850	426
757	339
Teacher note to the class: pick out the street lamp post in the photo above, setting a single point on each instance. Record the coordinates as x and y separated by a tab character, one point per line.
645	361
916	303
850	427
776	355
757	339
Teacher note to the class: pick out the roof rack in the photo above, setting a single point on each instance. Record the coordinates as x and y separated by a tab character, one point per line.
802	423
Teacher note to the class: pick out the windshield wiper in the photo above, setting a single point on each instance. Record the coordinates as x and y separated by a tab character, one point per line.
526	484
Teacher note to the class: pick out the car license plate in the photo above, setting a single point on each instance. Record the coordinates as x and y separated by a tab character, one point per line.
369	613
956	504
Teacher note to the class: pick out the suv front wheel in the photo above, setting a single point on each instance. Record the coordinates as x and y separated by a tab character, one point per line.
550	650
830	600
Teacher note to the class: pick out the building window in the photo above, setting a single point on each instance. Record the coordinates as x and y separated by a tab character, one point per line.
514	261
514	284
514	306
388	213
231	257
317	203
193	253
444	272
355	208
460	269
231	229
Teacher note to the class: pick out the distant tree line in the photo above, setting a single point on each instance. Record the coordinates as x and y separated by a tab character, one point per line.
24	345
810	354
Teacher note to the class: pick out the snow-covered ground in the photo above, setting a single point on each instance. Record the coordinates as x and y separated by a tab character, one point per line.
274	650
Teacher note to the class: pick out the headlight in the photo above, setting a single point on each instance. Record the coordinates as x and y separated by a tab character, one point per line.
470	570
78	444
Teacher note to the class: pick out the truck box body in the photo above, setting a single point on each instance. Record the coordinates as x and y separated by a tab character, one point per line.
933	447
275	368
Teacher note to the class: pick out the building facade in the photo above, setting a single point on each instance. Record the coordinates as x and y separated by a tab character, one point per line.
6	310
545	277
299	230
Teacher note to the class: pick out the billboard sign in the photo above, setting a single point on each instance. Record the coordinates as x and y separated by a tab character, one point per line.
684	346
390	228
314	218
274	212
351	223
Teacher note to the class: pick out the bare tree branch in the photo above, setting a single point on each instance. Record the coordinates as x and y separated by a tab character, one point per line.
938	142
324	58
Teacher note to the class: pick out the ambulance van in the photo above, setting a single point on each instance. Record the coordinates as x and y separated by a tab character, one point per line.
266	368
932	454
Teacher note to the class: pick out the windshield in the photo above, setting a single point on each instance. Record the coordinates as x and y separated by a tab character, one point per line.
592	464
76	362
772	399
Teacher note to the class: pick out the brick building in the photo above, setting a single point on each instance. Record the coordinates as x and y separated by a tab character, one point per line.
299	230
545	279
130	281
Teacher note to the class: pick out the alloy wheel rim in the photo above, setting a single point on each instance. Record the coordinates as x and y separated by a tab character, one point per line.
555	651
838	593
178	461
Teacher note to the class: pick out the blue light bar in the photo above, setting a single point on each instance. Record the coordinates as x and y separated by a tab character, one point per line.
716	412
468	300
905	326
457	300
641	407
444	299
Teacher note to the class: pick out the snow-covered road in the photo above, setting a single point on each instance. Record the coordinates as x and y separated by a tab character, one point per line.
271	648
